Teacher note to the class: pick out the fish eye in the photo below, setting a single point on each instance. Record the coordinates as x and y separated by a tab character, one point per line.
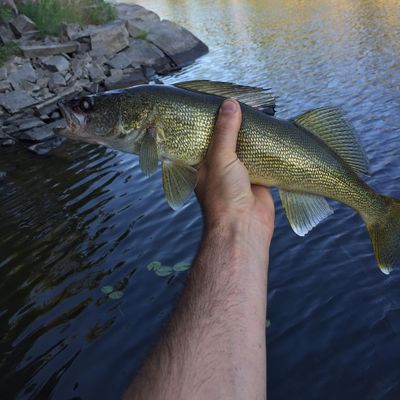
86	104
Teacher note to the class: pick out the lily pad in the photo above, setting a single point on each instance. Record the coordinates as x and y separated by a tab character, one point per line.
107	289
154	265
181	266
116	295
164	271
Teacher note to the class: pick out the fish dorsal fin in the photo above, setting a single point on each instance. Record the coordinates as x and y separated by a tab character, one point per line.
179	181
330	126
304	211
148	156
259	98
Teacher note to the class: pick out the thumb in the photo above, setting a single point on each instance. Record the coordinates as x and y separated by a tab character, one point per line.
222	148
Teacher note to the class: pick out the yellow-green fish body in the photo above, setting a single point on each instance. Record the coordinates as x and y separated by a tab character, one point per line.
310	157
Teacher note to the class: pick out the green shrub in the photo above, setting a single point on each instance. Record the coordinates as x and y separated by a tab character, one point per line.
5	14
49	15
7	51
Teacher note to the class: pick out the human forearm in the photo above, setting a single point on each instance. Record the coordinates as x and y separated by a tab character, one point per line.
214	347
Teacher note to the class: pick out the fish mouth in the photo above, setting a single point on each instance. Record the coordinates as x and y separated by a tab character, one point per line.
74	119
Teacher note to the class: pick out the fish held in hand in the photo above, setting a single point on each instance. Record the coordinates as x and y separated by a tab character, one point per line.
313	156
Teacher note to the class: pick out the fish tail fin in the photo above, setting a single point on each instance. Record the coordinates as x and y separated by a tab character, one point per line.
384	231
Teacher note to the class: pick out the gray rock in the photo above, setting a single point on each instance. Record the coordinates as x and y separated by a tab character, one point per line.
109	39
119	61
56	80
37	134
30	123
16	101
21	23
71	30
115	76
176	42
4	86
129	12
24	72
136	77
45	147
96	73
28	37
6	34
49	49
55	115
56	63
3	73
42	82
78	65
143	53
29	86
50	105
8	143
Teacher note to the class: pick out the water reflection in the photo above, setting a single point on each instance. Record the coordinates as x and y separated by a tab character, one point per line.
85	217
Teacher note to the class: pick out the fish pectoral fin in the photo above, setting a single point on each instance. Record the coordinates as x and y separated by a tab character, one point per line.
148	155
304	211
256	97
329	124
179	181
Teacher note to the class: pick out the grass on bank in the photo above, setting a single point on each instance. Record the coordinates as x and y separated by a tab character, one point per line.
49	15
5	14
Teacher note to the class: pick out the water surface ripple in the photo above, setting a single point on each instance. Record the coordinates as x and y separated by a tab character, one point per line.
85	217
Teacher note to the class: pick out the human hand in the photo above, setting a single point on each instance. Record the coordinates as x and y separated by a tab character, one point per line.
224	189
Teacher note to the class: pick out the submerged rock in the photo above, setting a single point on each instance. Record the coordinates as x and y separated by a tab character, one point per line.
44	148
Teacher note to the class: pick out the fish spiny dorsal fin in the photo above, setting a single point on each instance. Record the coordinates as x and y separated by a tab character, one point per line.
259	98
330	126
304	211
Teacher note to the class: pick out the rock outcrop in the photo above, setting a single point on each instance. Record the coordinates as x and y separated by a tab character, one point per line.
128	51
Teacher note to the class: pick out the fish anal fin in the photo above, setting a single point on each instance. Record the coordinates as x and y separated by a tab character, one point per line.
304	211
179	181
330	126
256	97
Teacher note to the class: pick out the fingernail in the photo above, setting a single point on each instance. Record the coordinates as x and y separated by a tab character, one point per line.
228	107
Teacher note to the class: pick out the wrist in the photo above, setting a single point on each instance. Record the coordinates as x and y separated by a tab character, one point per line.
243	230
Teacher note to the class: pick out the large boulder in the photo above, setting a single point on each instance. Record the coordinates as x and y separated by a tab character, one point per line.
130	12
176	42
109	39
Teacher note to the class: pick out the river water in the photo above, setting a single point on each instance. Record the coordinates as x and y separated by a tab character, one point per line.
84	218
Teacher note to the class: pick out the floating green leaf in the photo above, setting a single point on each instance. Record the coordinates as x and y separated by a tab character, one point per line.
164	271
107	289
116	295
181	266
154	265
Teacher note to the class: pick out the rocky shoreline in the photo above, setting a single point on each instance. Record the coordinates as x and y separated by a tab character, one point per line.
131	50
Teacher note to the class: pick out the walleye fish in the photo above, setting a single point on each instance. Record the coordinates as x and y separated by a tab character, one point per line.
315	155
